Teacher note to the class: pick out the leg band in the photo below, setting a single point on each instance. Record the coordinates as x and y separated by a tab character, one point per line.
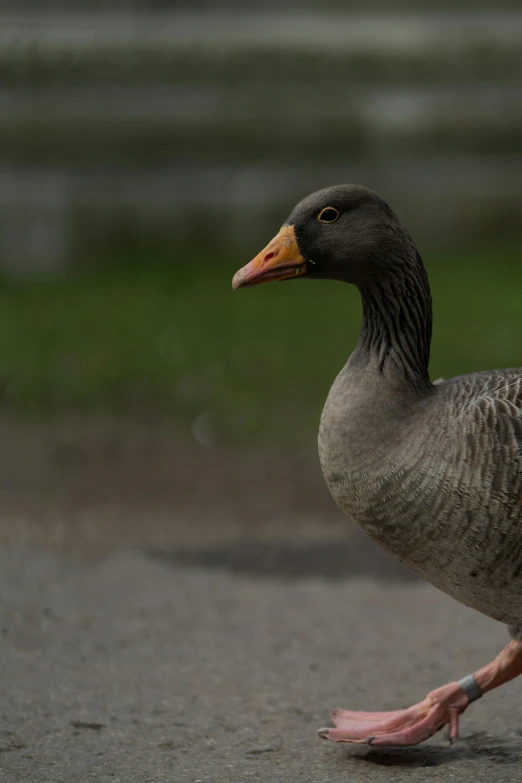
470	687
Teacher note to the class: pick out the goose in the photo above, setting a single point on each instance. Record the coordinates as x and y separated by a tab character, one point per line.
430	471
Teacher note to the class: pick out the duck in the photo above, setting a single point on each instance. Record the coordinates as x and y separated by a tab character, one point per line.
430	471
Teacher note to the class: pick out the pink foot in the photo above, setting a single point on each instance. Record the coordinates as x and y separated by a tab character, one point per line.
402	727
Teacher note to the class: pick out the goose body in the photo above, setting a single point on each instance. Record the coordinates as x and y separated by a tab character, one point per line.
436	481
432	472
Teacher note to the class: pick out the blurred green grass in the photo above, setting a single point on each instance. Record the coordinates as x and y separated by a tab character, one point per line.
161	334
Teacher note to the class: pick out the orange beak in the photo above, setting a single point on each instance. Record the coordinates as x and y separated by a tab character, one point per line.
280	260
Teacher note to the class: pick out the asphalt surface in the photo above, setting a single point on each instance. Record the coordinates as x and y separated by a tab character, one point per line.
139	667
149	643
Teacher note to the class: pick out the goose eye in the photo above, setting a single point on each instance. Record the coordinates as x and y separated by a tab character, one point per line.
328	215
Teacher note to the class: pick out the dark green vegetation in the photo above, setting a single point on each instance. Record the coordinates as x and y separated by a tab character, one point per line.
166	335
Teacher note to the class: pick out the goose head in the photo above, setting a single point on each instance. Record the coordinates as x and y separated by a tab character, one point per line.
345	232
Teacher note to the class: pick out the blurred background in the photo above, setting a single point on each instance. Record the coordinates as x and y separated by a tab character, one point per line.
150	148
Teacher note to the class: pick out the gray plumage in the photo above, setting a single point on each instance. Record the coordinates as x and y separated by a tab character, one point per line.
436	480
432	472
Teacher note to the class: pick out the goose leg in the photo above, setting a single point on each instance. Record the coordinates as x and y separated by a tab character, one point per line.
440	707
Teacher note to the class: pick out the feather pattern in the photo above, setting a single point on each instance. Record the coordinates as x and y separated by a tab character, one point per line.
432	472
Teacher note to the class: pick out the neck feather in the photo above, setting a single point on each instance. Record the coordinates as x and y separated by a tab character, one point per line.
396	329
